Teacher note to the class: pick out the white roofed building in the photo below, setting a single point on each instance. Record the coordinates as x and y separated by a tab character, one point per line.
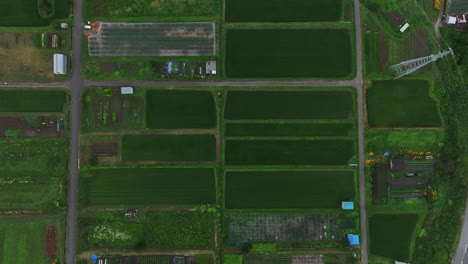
60	64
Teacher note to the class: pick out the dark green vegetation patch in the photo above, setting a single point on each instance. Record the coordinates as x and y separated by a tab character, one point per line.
296	53
391	235
288	129
150	186
26	13
288	189
168	148
181	229
172	109
32	101
280	10
401	103
288	105
289	152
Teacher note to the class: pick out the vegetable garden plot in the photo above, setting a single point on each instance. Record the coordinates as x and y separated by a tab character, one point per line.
263	228
152	39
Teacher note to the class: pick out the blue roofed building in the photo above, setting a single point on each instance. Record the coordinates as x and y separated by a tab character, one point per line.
353	239
347	205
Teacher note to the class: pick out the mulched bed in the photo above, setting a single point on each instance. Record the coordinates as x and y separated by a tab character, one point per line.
104	149
108	67
51	242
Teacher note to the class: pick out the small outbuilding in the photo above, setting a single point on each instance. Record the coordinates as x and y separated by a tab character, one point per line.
211	67
353	239
126	90
63	25
347	205
404	27
451	20
60	64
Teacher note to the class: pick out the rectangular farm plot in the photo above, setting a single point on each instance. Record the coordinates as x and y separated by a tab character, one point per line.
288	189
294	53
176	109
32	101
152	39
188	148
288	105
401	103
288	152
288	129
282	11
162	186
391	235
265	228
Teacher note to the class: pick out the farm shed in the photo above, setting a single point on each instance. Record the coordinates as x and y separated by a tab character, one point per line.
60	64
347	205
353	239
451	20
404	27
458	7
397	165
211	67
126	90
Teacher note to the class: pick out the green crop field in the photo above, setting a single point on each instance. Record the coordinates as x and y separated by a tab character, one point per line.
150	186
25	12
32	101
24	240
289	152
381	140
288	189
175	109
295	53
282	11
401	103
288	105
391	235
288	129
32	173
168	148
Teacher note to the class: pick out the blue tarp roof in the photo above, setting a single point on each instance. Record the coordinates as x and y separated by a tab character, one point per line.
94	257
353	239
347	205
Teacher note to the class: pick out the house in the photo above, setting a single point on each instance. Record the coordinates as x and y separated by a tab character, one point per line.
211	67
126	90
397	165
347	205
60	64
462	18
353	239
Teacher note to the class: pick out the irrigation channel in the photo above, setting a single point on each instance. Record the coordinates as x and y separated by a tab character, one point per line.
77	85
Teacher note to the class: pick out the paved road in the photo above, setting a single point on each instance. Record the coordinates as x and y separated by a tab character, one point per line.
361	152
461	255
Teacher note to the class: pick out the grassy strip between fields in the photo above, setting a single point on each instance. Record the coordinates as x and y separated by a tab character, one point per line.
288	189
288	129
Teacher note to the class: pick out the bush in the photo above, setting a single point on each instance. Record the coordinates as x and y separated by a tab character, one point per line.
246	247
204	259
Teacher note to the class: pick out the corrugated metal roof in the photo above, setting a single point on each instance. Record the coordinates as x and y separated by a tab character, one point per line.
126	90
458	7
60	64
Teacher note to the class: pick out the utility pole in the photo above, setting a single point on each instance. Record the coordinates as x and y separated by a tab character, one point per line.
409	66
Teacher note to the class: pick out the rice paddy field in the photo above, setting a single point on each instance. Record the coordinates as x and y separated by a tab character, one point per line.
288	105
150	186
178	109
402	103
281	11
288	152
24	240
25	12
294	53
391	235
152	39
288	129
32	101
288	189
168	148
